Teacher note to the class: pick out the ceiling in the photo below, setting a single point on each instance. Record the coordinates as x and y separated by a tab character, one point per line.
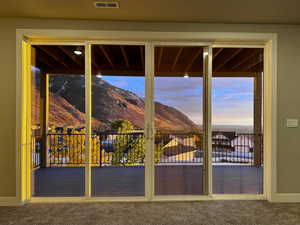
218	11
121	60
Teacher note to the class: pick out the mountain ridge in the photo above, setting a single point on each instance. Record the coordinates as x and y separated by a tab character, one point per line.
109	103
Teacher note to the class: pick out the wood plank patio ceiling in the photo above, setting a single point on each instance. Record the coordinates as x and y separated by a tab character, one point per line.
116	60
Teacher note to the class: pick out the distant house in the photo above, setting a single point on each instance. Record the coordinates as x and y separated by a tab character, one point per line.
221	141
243	143
179	149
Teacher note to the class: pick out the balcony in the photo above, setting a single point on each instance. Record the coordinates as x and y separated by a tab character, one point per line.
118	164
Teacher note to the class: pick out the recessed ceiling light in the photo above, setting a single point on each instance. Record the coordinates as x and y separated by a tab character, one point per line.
77	52
186	75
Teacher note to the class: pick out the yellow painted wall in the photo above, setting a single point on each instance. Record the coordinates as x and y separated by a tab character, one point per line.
288	86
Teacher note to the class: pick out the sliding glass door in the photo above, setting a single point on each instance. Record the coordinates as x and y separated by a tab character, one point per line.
138	122
237	121
179	160
147	131
58	121
118	120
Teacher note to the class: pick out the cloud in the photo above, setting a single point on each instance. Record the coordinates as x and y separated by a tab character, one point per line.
237	83
182	98
232	98
238	95
177	84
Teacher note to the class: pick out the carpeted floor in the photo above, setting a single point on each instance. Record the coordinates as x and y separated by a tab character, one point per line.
158	213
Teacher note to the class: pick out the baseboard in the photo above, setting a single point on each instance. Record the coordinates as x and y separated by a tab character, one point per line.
10	201
278	197
286	197
238	197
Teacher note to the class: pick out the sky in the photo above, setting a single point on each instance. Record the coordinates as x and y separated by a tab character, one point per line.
232	98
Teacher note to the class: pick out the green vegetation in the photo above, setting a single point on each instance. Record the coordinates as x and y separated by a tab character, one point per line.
68	146
129	148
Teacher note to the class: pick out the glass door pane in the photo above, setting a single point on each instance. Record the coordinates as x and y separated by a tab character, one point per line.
58	121
118	114
237	146
178	93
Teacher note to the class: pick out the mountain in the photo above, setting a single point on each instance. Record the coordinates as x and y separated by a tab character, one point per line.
61	112
110	103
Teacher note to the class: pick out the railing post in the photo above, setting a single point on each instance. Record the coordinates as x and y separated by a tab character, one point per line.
44	97
257	148
100	149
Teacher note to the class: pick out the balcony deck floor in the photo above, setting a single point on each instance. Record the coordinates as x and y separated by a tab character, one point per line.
129	181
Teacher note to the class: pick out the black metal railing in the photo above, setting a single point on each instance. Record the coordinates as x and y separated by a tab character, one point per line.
115	149
244	148
66	149
36	142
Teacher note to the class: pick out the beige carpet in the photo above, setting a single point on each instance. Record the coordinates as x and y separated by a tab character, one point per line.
158	213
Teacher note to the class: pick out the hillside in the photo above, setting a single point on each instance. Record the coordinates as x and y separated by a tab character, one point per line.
61	112
110	103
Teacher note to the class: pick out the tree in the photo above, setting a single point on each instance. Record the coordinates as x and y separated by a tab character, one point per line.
129	147
121	126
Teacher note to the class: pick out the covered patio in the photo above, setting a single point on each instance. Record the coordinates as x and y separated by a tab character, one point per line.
129	181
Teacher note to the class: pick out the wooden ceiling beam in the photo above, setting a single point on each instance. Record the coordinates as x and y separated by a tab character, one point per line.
226	58
199	74
176	58
71	55
125	56
53	55
245	56
217	52
258	68
105	53
160	58
96	51
42	57
158	74
44	60
44	65
193	59
105	72
96	66
255	62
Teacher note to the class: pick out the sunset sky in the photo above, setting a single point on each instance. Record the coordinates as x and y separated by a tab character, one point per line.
232	98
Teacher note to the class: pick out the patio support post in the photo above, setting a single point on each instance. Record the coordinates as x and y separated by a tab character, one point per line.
207	128
257	148
44	108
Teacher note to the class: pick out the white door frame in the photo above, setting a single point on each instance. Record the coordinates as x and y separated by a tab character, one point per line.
83	37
